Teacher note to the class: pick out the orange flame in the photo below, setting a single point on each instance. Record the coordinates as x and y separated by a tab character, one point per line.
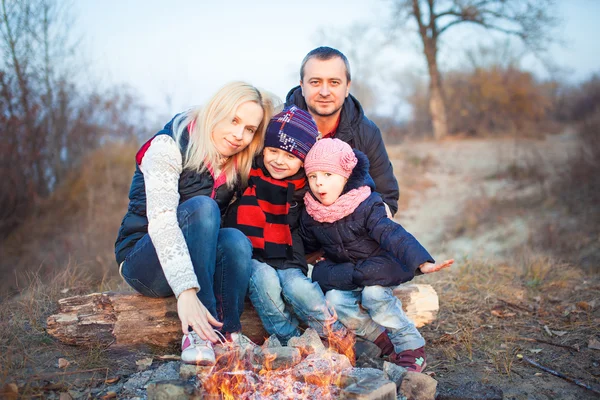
241	378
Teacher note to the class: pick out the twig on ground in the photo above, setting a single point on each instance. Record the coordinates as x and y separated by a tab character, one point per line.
52	375
517	338
513	305
568	379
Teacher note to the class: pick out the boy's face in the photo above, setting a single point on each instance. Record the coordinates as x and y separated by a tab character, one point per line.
326	186
280	163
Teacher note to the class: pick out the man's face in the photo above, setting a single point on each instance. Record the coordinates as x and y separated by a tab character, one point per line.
325	86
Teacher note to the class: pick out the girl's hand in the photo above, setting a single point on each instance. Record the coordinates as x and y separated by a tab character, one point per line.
428	267
193	313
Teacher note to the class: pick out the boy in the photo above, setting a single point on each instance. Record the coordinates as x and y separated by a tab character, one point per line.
268	213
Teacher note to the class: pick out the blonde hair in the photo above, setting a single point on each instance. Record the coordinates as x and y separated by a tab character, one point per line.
201	150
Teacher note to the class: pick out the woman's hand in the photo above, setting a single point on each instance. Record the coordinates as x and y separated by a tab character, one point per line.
193	313
428	267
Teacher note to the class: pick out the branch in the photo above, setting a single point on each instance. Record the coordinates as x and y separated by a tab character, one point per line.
567	378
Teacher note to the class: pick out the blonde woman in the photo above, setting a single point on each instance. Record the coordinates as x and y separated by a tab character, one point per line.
171	241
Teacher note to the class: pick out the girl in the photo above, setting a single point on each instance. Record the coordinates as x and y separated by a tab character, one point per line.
170	241
366	253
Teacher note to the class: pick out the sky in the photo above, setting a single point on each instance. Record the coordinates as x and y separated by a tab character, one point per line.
176	54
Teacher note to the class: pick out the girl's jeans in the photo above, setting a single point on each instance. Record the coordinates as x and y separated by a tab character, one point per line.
221	259
383	312
275	293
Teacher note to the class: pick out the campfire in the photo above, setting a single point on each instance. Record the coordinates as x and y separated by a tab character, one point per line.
305	369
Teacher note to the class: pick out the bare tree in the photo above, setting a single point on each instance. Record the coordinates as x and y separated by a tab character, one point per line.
529	20
47	123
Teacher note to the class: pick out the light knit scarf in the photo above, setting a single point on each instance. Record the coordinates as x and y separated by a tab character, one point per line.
342	207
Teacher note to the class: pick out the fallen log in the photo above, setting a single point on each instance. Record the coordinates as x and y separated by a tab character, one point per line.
113	318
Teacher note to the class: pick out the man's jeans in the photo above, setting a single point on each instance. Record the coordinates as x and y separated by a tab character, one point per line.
383	312
276	293
221	259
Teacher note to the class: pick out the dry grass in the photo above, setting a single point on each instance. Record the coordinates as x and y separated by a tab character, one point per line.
76	226
493	311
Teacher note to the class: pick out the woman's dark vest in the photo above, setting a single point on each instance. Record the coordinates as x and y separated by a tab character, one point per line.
191	183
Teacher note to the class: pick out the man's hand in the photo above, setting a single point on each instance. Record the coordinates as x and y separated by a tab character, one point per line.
428	267
193	313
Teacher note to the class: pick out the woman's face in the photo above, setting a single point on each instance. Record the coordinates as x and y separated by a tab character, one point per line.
232	135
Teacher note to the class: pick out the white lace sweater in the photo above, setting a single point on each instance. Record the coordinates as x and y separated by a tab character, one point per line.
162	165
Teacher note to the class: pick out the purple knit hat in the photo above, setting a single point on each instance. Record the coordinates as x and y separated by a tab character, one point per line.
292	130
331	155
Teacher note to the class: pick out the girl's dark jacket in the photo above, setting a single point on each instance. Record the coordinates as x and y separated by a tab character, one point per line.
365	248
191	184
362	134
296	207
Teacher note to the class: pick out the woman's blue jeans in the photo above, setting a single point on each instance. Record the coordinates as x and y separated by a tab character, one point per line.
221	258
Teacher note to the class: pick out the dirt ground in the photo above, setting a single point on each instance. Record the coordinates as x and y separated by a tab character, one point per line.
480	201
503	302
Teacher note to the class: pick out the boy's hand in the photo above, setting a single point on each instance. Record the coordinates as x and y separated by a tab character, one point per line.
428	267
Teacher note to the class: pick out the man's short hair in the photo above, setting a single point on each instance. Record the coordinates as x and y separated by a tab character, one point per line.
325	53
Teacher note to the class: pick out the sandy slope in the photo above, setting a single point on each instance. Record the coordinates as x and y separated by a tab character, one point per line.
465	173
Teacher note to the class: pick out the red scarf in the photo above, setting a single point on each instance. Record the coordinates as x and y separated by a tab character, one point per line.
263	213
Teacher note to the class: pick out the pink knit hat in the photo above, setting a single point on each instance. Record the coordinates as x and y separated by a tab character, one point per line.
331	155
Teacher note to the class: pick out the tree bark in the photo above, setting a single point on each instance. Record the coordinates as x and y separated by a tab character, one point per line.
122	319
437	104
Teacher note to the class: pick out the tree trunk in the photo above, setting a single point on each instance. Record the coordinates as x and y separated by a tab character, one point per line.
437	105
128	318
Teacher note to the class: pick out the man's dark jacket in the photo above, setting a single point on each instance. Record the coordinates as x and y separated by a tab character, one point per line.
362	134
365	248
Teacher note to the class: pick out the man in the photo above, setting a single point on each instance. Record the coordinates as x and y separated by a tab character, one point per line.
324	92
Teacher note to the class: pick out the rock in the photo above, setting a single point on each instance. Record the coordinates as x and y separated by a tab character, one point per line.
272	341
416	386
381	389
137	381
365	361
65	396
279	357
367	348
171	390
166	372
353	376
308	343
314	367
394	373
471	391
187	371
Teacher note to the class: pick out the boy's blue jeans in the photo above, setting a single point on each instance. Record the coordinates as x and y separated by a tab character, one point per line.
221	259
383	312
275	293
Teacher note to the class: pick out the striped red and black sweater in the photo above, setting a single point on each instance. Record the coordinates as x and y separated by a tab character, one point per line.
268	213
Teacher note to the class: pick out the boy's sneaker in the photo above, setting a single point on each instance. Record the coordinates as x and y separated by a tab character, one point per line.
241	343
197	351
412	360
384	343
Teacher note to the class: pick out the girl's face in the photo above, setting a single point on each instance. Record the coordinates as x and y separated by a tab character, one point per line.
234	134
326	186
280	163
